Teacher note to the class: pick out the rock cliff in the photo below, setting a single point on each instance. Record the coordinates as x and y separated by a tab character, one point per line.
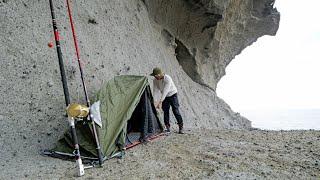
192	40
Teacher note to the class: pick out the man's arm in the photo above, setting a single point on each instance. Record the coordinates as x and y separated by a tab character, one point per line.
166	89
156	92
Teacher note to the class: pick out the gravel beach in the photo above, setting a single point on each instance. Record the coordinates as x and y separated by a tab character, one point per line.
198	154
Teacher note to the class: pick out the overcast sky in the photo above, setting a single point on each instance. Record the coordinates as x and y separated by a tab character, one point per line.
281	71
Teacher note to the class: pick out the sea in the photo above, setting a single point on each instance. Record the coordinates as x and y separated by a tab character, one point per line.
284	119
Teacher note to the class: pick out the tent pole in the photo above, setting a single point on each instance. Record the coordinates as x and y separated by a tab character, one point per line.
95	133
80	167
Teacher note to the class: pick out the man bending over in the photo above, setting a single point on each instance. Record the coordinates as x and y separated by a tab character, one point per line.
164	88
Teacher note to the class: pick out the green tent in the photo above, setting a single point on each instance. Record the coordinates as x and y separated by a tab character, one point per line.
127	113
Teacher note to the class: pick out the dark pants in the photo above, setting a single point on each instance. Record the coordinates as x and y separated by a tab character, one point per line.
174	103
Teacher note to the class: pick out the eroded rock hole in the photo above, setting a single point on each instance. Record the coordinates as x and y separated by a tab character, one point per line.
213	20
187	61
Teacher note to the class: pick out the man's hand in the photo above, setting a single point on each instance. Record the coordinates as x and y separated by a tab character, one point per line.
159	105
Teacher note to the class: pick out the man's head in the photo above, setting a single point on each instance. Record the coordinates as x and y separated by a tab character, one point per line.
157	73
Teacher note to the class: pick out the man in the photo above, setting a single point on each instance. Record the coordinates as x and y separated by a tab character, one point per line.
164	88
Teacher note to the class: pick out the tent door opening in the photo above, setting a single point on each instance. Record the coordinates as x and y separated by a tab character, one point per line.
143	123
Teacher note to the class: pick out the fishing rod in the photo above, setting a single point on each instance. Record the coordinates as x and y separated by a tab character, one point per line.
95	132
80	166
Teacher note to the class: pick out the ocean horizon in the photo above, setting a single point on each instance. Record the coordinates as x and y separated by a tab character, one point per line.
283	119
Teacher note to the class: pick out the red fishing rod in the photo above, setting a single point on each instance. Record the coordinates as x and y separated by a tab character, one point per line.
66	92
95	133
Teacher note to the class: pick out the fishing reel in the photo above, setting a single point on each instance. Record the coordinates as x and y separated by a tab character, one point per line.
81	112
77	111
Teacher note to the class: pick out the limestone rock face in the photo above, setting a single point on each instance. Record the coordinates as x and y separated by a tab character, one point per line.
191	40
